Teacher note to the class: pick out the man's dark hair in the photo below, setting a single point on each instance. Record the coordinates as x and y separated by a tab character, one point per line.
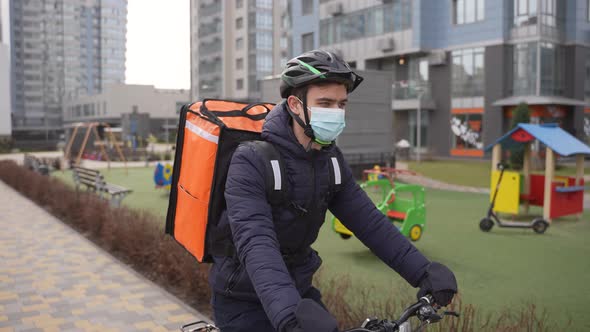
300	92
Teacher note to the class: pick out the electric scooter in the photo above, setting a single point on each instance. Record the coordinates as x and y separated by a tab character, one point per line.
539	225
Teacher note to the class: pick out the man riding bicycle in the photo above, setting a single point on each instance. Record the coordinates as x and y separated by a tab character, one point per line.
264	283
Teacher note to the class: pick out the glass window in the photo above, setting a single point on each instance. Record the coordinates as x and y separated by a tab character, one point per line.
239	3
413	121
423	70
307	42
307	7
587	79
265	4
548	12
239	63
480	10
240	84
239	43
525	69
523	7
552	69
525	12
467	131
239	23
468	11
468	72
263	40
261	64
263	20
393	16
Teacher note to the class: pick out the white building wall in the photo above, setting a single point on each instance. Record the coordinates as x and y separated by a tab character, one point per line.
118	99
5	99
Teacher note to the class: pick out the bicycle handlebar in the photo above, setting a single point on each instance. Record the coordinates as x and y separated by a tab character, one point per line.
424	309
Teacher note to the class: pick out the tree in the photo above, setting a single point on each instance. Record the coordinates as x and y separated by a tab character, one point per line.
521	114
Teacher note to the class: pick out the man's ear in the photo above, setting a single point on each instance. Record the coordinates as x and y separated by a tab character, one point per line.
294	104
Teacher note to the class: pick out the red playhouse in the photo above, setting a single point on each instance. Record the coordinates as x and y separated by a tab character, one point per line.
558	195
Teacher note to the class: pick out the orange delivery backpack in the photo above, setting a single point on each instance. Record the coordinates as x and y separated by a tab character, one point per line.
209	131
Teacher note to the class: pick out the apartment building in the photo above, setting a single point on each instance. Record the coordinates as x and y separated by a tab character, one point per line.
466	64
235	44
5	123
61	49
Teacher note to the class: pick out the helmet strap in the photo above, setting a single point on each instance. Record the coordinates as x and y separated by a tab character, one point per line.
307	130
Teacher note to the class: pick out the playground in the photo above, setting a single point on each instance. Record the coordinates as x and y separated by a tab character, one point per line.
501	270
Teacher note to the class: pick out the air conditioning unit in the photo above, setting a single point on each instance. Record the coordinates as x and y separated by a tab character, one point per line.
335	9
437	58
385	44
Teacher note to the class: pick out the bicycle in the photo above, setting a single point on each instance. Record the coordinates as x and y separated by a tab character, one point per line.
425	310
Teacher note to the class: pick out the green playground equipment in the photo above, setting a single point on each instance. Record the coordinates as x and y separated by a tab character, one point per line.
402	203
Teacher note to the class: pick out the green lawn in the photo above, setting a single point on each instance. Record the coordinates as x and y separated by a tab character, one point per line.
141	180
466	173
503	269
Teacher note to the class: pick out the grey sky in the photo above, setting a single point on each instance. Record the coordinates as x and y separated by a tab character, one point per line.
158	43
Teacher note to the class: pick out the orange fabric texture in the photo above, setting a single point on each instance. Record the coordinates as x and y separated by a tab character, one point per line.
194	184
197	169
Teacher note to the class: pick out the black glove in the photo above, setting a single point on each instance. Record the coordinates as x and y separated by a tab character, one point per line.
312	317
439	282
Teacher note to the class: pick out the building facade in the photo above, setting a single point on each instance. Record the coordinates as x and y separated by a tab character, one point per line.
118	102
5	101
62	49
234	44
466	64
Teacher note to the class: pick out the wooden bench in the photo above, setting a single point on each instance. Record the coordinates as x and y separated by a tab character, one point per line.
94	181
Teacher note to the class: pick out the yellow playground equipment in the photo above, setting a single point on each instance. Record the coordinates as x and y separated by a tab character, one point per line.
558	195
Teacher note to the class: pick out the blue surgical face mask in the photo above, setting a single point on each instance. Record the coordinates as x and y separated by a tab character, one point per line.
327	123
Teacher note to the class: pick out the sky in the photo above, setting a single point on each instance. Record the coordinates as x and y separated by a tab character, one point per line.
158	43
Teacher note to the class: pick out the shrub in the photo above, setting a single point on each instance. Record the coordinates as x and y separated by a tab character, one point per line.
520	115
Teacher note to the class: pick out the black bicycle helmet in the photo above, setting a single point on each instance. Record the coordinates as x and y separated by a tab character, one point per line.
317	66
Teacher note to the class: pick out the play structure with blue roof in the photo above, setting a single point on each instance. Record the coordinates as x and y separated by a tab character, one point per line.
558	195
551	135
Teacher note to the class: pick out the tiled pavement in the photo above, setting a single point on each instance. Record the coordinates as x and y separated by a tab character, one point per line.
53	279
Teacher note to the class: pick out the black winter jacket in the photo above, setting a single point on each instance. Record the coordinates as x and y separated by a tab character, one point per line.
261	233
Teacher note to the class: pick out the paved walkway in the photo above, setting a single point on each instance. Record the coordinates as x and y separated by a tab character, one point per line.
54	279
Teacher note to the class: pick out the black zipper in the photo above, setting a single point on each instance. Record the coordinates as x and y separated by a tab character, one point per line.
311	203
231	282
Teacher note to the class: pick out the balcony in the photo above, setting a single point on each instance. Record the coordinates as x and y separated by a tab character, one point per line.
408	95
368	22
207	10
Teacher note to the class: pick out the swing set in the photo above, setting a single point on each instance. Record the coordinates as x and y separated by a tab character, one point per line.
103	136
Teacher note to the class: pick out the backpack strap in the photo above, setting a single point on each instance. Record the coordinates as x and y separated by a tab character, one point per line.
276	190
274	170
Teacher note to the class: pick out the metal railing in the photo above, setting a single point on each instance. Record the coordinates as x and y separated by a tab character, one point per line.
405	90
